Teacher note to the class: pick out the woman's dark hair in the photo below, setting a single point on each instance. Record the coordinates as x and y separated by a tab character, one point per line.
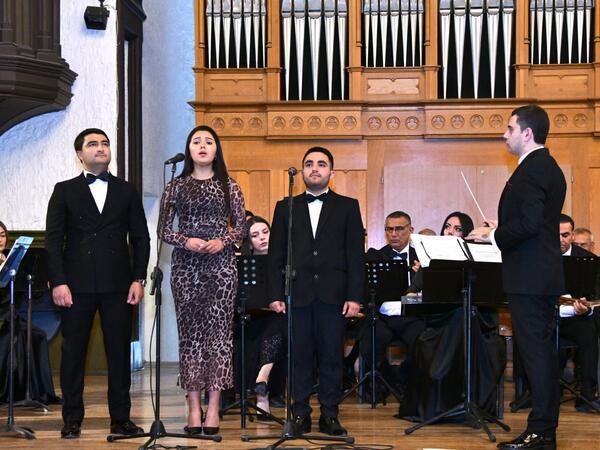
5	229
246	247
218	164
465	222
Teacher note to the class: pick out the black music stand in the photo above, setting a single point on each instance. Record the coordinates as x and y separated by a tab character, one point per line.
581	280
386	281
7	276
252	295
480	279
34	278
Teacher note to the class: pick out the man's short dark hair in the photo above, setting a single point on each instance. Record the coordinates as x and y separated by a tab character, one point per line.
567	219
536	118
398	215
321	150
78	144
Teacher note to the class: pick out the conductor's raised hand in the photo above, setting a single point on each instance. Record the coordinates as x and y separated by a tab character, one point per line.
61	296
277	306
351	309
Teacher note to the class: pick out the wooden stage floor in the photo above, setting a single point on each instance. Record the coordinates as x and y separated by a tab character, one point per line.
369	427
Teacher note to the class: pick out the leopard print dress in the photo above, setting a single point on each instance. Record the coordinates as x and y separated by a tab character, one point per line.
204	286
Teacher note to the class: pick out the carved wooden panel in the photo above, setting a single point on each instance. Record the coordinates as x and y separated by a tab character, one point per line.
561	81
231	86
391	85
256	187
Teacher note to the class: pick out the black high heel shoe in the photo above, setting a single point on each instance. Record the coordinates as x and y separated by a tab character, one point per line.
208	430
195	430
261	388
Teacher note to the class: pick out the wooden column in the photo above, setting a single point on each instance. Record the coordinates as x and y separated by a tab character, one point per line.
354	48
430	43
522	48
273	44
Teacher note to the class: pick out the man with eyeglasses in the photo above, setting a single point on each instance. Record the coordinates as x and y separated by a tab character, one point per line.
92	221
584	238
398	228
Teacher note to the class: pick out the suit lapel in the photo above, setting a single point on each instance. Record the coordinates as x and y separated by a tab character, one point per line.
328	206
87	199
110	195
302	216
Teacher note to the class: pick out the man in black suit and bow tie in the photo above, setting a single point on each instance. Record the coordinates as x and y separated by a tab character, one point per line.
328	260
533	278
92	220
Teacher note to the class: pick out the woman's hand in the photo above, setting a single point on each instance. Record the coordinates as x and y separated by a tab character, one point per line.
213	246
196	245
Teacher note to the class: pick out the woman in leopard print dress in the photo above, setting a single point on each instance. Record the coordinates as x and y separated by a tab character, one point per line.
210	209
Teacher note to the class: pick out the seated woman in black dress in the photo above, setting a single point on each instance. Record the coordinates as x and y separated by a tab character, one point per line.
266	335
436	380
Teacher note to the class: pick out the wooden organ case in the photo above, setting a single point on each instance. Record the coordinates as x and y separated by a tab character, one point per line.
406	93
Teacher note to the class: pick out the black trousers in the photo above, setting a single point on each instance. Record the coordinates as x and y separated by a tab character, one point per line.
318	331
582	331
534	324
115	315
388	328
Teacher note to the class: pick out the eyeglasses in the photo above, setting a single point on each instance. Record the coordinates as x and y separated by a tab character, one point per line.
457	228
397	229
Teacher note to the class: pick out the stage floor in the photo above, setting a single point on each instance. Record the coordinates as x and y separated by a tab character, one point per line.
369	427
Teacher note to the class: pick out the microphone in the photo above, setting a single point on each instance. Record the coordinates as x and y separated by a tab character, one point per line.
175	159
292	171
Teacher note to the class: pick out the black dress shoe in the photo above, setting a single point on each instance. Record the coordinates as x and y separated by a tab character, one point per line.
331	426
125	427
192	430
529	441
71	430
302	424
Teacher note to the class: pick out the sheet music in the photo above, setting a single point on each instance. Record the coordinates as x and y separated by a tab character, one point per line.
438	247
484	252
13	259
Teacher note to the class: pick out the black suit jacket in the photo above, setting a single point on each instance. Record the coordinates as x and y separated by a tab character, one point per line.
328	267
580	252
89	251
528	224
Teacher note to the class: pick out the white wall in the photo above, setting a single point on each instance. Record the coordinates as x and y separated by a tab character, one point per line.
168	84
39	152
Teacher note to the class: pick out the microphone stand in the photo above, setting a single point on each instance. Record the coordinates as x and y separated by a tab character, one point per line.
289	431
157	430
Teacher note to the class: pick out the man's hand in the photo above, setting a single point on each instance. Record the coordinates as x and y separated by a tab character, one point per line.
136	293
580	307
480	234
213	246
196	245
416	266
351	309
277	306
61	296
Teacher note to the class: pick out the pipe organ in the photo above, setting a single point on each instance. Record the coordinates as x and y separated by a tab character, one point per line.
396	88
561	31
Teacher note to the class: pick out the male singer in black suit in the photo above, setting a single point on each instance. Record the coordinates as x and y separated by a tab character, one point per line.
528	218
328	260
88	223
577	325
398	228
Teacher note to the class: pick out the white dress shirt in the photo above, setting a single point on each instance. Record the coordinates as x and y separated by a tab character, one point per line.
314	211
99	190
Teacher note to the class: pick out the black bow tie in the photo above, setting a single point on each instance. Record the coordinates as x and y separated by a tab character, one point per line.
311	198
90	177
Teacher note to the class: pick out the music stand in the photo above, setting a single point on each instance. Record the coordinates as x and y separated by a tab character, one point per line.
34	277
252	295
386	281
8	274
475	278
